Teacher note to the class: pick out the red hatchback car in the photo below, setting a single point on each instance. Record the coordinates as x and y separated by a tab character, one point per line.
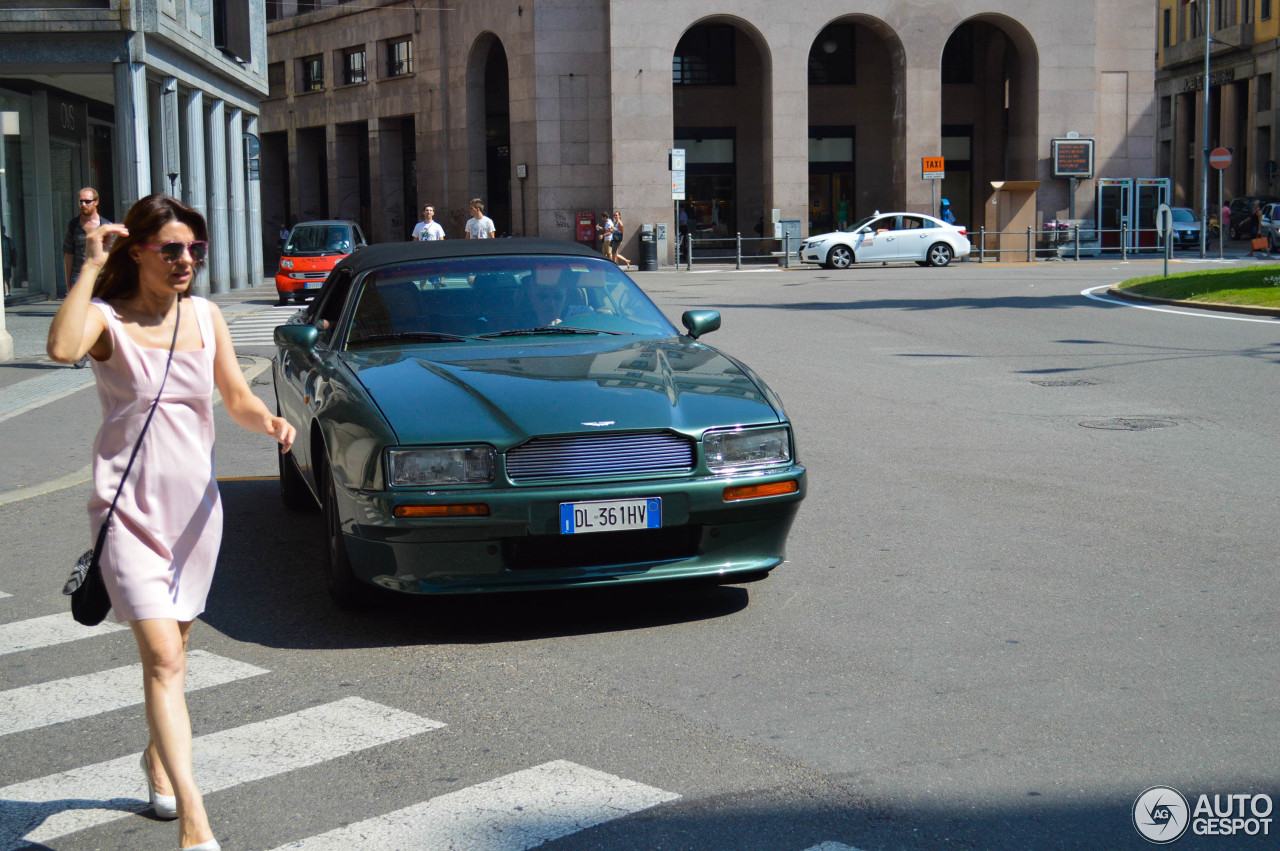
313	249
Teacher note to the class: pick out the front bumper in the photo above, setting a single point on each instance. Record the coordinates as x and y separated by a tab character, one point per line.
518	546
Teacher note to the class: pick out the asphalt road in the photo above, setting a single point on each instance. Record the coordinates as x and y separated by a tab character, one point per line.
1033	577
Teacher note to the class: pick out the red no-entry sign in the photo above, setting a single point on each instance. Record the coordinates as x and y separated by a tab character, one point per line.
1219	158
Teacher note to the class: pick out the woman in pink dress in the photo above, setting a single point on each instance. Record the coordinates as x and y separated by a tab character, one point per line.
163	541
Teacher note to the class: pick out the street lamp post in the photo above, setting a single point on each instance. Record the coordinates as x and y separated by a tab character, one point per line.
1204	154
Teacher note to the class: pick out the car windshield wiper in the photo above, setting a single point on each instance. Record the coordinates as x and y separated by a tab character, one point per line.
432	336
545	329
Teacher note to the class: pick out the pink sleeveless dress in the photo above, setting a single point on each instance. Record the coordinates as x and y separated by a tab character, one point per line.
163	541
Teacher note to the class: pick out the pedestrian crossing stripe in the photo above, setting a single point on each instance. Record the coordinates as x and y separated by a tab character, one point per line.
45	631
49	807
511	813
54	702
2	594
258	328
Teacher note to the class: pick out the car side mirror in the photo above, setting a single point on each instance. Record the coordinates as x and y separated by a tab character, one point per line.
699	322
300	337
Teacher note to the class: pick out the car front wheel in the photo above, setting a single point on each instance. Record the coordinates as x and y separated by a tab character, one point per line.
939	254
839	257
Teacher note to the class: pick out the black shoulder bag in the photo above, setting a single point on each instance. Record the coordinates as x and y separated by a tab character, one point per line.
85	586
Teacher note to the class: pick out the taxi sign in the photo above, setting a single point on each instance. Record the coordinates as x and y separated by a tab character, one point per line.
933	168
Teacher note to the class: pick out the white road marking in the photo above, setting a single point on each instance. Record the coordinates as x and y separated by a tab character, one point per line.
2	594
832	846
1202	313
510	813
46	631
258	328
54	702
49	807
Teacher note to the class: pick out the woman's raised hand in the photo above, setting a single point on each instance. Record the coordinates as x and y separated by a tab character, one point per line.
97	243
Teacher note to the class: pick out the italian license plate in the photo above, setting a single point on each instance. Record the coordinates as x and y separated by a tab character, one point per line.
614	515
314	285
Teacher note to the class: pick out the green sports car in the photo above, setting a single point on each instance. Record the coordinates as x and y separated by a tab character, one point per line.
496	415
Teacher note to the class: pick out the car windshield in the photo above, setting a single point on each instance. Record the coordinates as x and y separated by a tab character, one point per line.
1183	214
319	239
461	299
857	225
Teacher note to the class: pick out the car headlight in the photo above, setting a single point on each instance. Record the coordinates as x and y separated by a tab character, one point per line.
746	448
285	263
455	465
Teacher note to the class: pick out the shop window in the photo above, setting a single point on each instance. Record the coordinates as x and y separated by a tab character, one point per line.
399	57
353	67
312	77
831	59
705	57
275	80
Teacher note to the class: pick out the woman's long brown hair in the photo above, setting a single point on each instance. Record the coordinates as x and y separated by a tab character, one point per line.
119	276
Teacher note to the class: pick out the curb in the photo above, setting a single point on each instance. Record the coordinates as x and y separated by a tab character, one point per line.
1199	305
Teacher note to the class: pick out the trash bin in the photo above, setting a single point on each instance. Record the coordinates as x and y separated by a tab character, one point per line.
648	249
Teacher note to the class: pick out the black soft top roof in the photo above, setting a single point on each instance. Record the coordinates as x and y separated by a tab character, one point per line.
384	253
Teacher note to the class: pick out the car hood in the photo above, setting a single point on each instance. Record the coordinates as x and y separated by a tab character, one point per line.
504	393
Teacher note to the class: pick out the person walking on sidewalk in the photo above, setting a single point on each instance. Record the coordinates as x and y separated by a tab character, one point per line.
130	309
617	242
428	230
479	226
73	240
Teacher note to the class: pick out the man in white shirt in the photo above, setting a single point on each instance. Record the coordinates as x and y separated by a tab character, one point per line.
479	226
428	229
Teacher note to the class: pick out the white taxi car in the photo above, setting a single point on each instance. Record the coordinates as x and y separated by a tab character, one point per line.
888	238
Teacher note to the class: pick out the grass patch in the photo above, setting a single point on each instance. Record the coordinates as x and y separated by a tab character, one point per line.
1257	286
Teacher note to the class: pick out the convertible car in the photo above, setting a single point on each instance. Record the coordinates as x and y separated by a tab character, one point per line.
495	415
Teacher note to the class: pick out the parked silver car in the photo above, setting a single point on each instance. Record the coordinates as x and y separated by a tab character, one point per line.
1186	228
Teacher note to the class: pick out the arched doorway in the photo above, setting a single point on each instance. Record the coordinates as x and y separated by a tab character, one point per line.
855	72
489	131
720	74
990	83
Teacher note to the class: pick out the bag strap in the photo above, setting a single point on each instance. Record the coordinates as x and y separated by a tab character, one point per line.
102	533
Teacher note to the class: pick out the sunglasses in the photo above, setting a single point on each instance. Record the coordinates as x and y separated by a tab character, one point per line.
90	201
171	252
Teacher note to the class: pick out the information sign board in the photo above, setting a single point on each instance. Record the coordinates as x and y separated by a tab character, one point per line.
1072	157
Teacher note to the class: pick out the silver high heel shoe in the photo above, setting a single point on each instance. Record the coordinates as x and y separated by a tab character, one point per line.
209	845
164	806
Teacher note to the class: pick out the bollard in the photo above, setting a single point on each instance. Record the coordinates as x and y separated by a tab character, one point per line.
786	250
1124	242
982	244
1077	243
1029	238
738	263
689	255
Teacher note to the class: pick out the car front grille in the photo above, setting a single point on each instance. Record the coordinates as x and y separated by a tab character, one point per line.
583	456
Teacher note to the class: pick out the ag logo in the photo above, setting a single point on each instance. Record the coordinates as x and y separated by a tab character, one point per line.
1160	814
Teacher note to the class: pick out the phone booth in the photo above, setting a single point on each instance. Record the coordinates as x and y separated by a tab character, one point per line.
585	226
1115	205
1149	194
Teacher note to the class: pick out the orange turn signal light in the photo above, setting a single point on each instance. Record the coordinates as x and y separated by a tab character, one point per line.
473	509
756	491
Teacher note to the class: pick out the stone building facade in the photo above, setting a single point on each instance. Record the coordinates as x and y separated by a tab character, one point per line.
130	98
1244	36
822	110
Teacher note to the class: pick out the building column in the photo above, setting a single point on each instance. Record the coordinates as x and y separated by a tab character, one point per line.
235	200
219	239
193	166
919	134
334	189
171	139
133	168
253	190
